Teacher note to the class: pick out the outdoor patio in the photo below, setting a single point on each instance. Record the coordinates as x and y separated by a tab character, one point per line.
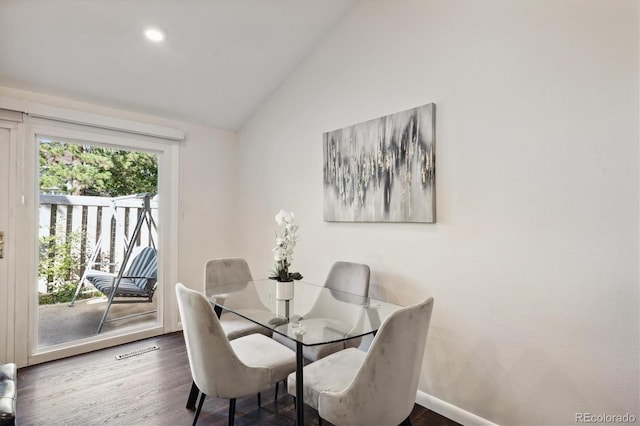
97	233
60	323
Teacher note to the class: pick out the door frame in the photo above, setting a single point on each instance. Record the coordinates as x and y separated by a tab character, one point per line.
11	121
87	127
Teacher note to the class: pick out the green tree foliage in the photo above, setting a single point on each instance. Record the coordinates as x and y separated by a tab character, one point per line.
133	173
59	266
75	169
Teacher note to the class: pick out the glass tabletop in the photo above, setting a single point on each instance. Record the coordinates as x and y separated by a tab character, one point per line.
314	315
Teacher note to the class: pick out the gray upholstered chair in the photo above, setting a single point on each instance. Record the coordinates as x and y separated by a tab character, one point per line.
346	277
349	277
219	272
225	369
378	387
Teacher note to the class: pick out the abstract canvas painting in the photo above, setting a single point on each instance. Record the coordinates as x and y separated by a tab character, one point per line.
382	170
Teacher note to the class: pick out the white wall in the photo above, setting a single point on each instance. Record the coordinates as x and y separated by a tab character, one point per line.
533	262
208	181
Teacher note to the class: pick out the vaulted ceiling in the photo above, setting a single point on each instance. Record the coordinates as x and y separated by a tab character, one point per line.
220	61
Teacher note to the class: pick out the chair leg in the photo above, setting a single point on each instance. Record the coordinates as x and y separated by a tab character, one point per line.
232	411
284	385
193	396
195	417
259	401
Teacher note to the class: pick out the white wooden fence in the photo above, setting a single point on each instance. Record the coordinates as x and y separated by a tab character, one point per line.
84	219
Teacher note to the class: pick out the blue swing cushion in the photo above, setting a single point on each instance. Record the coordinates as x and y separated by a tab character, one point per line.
138	281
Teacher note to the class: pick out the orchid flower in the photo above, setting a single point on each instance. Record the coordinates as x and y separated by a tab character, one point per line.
285	242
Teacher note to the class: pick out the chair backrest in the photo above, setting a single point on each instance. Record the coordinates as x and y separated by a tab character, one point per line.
215	368
143	266
349	277
384	389
232	270
219	272
352	282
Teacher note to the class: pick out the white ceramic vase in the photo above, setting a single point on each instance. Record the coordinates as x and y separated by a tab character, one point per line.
284	290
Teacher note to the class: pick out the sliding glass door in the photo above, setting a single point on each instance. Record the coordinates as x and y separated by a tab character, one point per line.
98	210
103	210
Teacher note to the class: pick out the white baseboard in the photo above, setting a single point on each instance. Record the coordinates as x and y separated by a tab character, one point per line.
450	411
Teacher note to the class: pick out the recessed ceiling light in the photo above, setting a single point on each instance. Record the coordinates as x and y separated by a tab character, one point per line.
155	34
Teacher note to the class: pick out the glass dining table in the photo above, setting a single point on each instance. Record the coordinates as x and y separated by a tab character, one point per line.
311	315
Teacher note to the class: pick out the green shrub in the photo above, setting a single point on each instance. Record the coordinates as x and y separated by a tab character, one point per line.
60	266
63	293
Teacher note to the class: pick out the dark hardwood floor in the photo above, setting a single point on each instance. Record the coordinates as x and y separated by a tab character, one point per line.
147	389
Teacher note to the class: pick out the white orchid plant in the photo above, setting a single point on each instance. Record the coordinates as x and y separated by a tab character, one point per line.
283	251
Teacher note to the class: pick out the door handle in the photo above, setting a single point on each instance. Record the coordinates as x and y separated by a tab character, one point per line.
1	244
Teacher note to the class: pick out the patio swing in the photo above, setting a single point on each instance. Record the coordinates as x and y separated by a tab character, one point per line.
138	283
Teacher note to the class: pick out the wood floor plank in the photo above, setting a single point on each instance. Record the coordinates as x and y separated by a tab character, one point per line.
146	389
